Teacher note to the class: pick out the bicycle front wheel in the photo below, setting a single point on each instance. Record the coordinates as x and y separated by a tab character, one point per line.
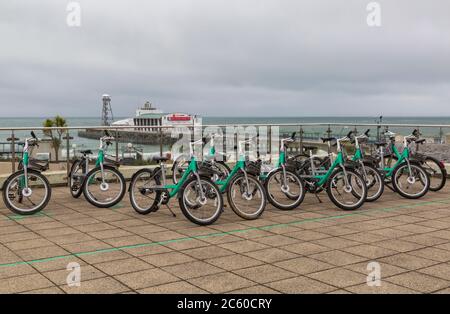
104	190
30	200
200	201
374	182
284	193
410	184
347	190
246	197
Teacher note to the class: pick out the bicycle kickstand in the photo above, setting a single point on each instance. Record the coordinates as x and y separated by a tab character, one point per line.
317	196
170	210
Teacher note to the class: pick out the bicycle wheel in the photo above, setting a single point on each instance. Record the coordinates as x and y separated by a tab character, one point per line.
143	198
284	194
207	209
107	191
374	182
248	201
76	176
436	172
179	167
24	201
222	169
343	195
410	184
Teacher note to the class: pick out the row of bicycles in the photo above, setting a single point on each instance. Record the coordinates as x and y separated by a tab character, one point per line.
200	186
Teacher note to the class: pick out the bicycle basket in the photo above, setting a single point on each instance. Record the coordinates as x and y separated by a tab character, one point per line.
253	167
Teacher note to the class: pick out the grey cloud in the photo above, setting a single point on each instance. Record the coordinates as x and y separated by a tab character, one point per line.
234	57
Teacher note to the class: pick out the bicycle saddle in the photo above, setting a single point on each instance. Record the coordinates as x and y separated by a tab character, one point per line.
378	144
327	139
160	158
86	152
421	141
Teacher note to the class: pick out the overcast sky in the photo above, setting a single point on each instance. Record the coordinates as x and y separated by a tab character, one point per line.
226	57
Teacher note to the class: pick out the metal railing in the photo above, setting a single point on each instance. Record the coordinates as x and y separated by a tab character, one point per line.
306	132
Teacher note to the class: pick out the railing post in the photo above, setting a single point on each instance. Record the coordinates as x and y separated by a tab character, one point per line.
13	151
67	154
160	141
117	145
301	139
270	142
329	131
236	144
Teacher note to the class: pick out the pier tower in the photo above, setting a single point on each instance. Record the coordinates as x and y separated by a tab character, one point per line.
107	115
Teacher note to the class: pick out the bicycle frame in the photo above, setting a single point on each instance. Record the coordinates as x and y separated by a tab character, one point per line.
239	166
402	157
339	161
173	189
23	182
323	178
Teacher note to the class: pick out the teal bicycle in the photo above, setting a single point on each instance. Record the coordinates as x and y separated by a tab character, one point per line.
285	189
345	186
408	177
365	166
27	191
103	186
199	198
245	193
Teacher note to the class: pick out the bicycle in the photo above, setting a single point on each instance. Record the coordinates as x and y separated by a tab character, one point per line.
406	171
199	198
27	191
285	189
245	193
434	167
345	187
103	186
80	169
366	166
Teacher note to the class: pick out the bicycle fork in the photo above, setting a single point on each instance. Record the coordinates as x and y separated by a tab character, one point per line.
104	186
284	185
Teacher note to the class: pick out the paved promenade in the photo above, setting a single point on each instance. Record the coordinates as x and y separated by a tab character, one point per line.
313	249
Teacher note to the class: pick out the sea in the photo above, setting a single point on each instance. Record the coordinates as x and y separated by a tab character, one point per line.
83	143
